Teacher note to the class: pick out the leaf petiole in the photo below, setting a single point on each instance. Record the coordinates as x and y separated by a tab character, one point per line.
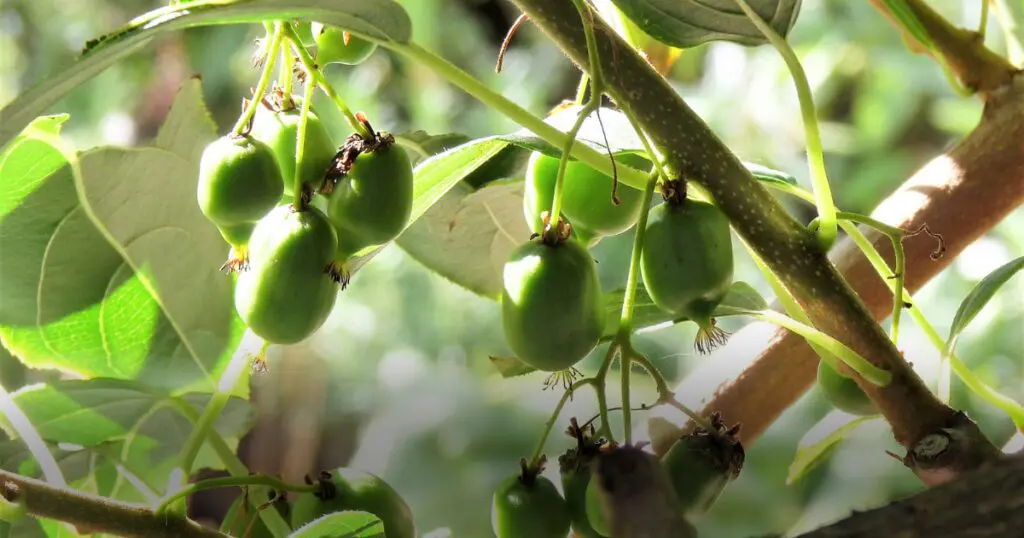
827	231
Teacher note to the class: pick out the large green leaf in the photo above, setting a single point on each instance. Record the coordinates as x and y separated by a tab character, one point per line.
347	524
688	23
978	298
113	271
101	422
383	20
468	236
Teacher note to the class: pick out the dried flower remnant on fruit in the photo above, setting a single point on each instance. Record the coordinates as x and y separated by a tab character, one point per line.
346	157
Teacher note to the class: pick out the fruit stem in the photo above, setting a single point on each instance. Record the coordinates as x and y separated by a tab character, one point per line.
563	162
581	90
827	231
599	388
593	103
554	415
261	86
633	277
665	395
287	76
314	72
229	481
299	201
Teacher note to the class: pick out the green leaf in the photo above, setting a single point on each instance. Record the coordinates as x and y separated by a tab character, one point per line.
382	20
978	298
511	366
647	316
422	145
346	524
117	271
688	23
821	440
121	430
468	236
768	175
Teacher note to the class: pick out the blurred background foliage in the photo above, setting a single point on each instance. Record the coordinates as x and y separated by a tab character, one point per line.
398	382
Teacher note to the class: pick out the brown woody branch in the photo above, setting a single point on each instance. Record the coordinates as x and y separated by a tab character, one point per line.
92	514
986	503
961	194
692	150
978	68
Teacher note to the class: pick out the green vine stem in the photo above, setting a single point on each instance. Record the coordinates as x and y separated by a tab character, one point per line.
271	518
789	304
550	424
862	366
984	391
599	389
300	144
261	87
231	481
630	176
236	368
318	77
28	434
896	236
827	231
593	103
983	23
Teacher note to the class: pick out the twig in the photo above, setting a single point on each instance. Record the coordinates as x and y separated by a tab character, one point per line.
92	514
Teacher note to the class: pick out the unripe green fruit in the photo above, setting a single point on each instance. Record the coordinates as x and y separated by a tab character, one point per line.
237	234
531	509
597	513
280	131
287	294
574	469
687	263
372	203
843	392
239	181
331	46
361	491
700	465
586	195
552	311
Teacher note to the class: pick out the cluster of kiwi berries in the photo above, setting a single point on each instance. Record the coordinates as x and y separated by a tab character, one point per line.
553	313
338	490
692	475
289	251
